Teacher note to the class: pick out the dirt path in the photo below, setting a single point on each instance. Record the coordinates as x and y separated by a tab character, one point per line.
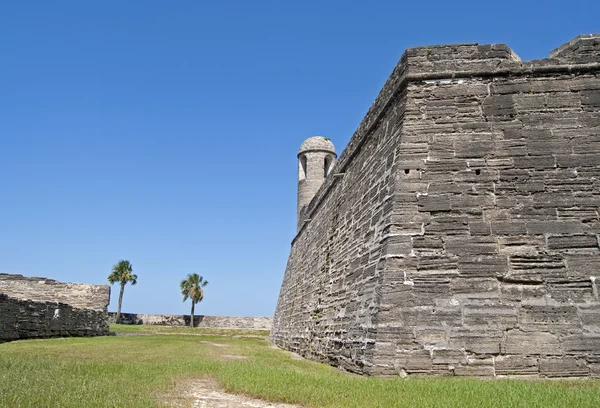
205	393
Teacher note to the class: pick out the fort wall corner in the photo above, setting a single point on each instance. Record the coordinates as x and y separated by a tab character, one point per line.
462	238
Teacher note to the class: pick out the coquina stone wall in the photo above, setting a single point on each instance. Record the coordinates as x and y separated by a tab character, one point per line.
26	319
78	295
458	232
41	308
215	322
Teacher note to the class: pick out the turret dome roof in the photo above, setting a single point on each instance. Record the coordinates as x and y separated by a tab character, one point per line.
317	143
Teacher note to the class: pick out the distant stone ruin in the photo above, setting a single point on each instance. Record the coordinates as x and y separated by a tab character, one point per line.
458	232
40	308
212	322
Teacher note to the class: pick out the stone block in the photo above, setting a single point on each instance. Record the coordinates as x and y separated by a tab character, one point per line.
546	318
510	148
535	162
440	168
516	365
575	292
429	317
413	361
582	343
471	245
572	242
432	337
562	100
474	371
584	83
531	343
578	160
594	370
590	99
473	204
396	245
426	266
474	149
508	228
448	225
513	176
495	315
545	147
434	203
504	163
514	86
427	245
521	245
499	105
530	268
525	293
589	314
529	102
482	266
480	228
563	367
477	341
448	357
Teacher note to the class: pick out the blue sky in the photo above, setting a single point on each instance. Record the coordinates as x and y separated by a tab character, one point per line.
166	133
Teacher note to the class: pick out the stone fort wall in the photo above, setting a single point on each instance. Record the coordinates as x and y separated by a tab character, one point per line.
458	232
41	308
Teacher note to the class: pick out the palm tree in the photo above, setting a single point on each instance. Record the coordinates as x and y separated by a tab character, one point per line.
192	288
122	272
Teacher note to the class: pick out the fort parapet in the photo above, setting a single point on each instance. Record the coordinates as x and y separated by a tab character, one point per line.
33	307
457	234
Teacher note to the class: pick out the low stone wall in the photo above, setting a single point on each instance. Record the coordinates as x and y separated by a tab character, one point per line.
32	307
77	295
26	319
221	322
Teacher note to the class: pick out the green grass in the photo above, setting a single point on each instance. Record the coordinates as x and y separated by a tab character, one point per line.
142	371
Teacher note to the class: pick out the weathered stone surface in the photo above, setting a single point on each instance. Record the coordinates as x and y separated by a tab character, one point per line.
39	307
215	322
26	319
531	343
516	365
564	367
581	46
460	235
582	343
48	290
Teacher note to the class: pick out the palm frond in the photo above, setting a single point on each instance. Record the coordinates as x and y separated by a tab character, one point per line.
122	272
191	288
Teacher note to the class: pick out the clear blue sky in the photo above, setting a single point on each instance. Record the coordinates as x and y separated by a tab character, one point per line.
166	133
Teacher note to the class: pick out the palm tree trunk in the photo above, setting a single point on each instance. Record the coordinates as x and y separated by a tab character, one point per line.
192	315
120	301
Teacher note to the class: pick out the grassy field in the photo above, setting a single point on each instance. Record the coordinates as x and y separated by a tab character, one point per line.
146	370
